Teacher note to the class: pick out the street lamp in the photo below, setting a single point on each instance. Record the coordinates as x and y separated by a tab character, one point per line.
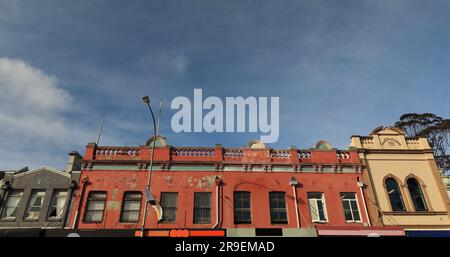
148	194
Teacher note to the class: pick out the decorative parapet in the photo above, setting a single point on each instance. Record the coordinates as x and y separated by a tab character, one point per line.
116	153
192	154
303	155
218	155
233	154
389	142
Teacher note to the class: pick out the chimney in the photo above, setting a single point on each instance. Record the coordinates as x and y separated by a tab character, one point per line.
74	162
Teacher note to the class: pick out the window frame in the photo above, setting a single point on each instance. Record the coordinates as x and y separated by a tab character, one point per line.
357	207
399	191
28	207
57	218
197	208
272	220
4	206
122	209
322	199
175	207
86	210
421	194
242	210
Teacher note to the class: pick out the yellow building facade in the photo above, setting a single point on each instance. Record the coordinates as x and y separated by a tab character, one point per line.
405	185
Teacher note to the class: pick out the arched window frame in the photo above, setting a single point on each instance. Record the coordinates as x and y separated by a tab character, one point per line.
422	188
400	188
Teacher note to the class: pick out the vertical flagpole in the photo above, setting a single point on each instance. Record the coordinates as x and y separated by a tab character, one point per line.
159	116
100	130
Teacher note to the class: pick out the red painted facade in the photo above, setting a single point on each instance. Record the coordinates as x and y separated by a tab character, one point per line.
188	170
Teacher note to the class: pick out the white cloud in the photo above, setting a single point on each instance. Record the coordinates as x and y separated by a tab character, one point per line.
29	87
32	115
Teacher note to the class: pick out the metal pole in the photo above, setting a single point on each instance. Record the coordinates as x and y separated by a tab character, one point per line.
296	205
159	116
100	130
150	171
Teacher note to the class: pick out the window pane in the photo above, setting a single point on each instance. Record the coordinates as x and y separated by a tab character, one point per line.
277	207
131	207
320	209
34	204
94	216
95	207
242	211
169	202
350	206
348	196
317	207
313	209
11	204
348	215
202	207
57	204
356	216
416	195
395	196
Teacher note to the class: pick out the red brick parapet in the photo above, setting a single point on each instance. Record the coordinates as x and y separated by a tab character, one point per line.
218	153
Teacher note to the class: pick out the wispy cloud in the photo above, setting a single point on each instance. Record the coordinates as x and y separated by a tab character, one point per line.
165	61
33	111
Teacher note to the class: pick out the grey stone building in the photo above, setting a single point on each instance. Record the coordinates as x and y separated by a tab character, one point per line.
37	199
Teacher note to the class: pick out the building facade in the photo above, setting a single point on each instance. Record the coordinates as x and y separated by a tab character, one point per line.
249	191
404	181
37	199
446	180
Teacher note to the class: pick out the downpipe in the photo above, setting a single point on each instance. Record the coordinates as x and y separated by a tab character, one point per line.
218	184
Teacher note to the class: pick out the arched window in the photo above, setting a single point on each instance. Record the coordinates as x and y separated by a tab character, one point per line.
395	196
416	195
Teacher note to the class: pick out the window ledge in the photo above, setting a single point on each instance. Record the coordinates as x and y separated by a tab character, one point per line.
8	219
355	221
54	219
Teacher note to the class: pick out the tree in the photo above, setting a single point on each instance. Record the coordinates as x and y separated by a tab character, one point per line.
434	128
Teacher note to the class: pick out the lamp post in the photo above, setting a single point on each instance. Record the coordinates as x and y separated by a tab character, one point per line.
149	196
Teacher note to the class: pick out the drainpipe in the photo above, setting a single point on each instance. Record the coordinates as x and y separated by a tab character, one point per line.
218	184
293	182
361	185
85	181
72	187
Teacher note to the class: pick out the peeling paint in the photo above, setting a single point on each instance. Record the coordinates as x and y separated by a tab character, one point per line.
206	182
169	180
114	193
190	181
113	205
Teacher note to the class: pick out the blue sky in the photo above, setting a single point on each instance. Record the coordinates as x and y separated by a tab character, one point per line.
339	67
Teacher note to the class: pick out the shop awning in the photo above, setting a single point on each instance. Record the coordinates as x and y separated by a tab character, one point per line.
428	233
360	231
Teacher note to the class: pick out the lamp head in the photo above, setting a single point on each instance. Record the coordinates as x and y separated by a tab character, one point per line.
293	181
146	99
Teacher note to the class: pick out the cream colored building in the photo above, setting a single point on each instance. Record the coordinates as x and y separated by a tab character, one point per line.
446	180
403	181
